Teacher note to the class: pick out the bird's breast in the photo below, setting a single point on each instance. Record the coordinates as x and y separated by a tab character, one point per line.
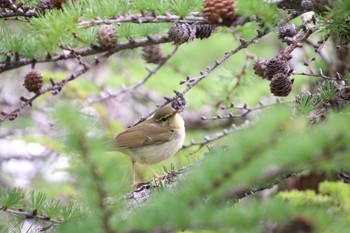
152	154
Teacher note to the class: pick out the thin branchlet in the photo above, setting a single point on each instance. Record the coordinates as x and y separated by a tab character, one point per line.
151	72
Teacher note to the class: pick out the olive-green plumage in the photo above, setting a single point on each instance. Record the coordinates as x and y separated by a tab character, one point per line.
153	140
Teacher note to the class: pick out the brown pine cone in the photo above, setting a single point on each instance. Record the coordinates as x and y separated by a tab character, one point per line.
180	33
295	4
152	54
220	11
107	36
60	1
5	4
298	224
275	66
204	30
45	5
321	5
281	85
260	67
33	81
286	30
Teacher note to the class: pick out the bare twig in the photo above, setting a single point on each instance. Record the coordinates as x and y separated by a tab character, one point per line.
137	85
245	110
240	74
209	139
319	75
318	49
21	157
191	82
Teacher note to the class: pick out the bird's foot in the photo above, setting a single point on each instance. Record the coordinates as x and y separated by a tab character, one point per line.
161	177
136	185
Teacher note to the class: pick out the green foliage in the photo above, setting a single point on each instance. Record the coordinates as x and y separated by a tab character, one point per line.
16	201
336	21
327	90
91	165
346	78
108	8
206	198
152	5
50	33
333	195
306	102
12	198
201	198
4	228
184	7
268	13
37	200
13	41
247	160
339	28
56	28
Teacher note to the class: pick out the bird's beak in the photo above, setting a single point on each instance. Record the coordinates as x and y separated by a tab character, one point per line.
176	112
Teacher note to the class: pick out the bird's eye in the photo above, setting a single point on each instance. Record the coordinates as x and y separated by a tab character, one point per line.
163	119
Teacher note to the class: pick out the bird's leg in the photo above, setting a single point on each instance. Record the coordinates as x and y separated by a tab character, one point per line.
154	173
133	173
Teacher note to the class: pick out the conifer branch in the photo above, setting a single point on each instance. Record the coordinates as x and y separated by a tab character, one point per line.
139	18
143	191
30	214
6	65
17	9
101	193
10	15
267	181
55	87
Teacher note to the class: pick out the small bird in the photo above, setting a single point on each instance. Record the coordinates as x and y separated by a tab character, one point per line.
153	140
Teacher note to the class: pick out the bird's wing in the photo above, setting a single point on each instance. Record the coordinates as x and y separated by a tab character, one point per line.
142	135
